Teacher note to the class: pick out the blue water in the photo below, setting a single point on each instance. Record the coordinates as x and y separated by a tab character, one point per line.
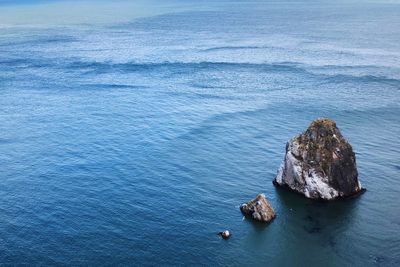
134	142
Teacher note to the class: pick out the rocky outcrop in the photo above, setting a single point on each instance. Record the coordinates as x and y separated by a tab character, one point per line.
259	209
320	163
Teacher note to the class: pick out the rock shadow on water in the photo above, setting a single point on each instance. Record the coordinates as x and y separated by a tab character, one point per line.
317	217
313	224
322	224
257	225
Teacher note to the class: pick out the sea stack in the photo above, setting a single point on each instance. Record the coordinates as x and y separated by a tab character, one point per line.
259	209
320	163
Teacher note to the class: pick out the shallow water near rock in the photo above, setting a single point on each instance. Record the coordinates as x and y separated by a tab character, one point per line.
135	142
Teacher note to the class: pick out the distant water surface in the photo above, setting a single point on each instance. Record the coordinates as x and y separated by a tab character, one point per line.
133	139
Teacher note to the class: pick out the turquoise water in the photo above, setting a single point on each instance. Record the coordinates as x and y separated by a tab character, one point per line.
133	139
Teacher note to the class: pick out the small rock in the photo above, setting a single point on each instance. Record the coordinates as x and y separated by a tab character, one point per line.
225	234
259	209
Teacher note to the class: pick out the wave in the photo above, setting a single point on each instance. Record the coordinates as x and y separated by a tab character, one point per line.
219	48
328	73
291	67
14	61
41	41
26	63
195	95
133	67
342	78
113	86
208	86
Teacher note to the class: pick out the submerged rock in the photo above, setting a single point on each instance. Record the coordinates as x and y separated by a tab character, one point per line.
259	209
320	163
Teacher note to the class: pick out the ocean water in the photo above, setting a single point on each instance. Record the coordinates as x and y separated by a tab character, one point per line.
132	139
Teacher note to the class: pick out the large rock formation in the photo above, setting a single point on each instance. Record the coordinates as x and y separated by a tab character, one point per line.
259	209
320	163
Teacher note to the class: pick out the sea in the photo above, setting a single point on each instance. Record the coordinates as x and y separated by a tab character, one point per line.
132	131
